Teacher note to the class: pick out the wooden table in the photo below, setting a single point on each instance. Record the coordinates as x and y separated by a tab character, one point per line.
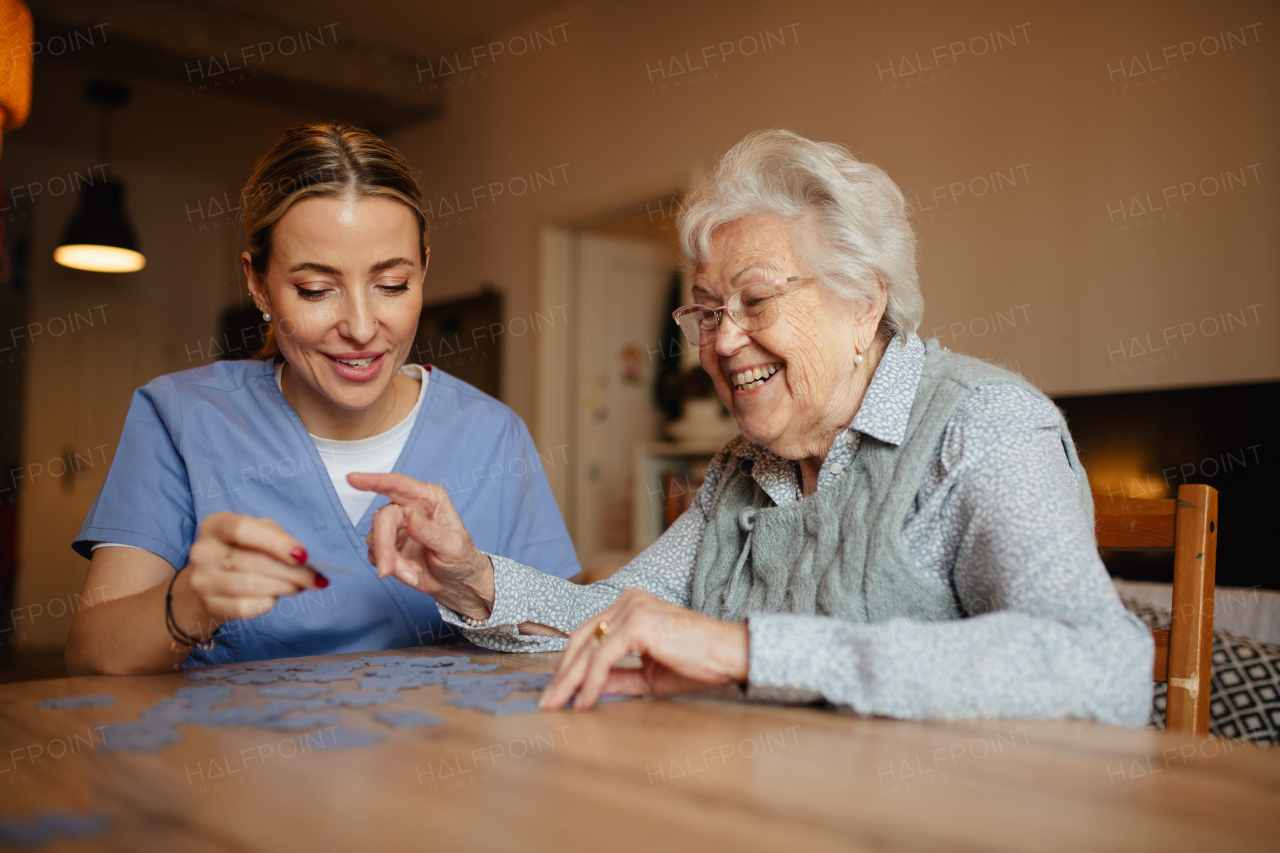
652	775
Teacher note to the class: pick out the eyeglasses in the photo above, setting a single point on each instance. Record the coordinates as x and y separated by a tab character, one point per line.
752	308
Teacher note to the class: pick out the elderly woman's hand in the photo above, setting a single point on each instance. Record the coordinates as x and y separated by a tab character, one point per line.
420	538
681	650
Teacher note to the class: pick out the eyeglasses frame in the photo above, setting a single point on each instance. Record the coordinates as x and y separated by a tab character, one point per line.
720	311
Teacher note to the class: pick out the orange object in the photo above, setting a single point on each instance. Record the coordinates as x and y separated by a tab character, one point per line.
16	35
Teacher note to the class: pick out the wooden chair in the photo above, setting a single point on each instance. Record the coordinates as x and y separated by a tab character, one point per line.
1188	526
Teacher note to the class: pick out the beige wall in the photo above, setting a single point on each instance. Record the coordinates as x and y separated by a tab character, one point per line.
1044	110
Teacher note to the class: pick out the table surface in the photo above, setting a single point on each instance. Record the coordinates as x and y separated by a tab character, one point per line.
693	773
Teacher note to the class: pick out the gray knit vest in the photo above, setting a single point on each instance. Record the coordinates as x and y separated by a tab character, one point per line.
840	551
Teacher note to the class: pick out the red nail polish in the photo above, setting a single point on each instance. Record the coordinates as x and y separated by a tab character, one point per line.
321	580
299	554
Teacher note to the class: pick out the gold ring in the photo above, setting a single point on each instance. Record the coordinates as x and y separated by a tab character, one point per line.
227	564
602	630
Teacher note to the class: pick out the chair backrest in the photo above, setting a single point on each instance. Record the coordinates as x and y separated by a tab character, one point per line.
1187	525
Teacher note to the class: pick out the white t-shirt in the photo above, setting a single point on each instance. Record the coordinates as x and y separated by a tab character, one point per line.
376	454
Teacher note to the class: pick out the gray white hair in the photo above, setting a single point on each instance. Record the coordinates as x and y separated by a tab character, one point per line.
860	228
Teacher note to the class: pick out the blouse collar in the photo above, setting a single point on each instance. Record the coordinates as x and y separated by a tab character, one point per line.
886	407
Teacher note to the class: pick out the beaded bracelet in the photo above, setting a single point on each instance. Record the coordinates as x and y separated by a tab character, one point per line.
474	623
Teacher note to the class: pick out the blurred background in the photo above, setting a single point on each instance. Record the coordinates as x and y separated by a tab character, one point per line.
1093	189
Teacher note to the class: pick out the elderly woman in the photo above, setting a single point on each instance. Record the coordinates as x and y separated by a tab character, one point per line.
899	529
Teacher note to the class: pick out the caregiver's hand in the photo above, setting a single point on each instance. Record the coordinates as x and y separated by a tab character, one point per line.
420	538
239	565
680	650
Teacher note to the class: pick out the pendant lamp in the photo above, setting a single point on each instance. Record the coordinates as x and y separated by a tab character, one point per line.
98	237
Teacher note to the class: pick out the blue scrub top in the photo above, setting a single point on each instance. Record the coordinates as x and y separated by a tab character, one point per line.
222	438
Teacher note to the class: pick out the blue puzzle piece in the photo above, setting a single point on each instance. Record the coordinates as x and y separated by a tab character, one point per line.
304	722
522	680
337	665
235	716
488	697
40	830
203	697
280	707
531	680
390	678
67	703
378	686
483	701
324	676
360	700
444	660
498	691
250	676
292	691
383	660
454	683
146	736
408	720
342	700
169	711
517	706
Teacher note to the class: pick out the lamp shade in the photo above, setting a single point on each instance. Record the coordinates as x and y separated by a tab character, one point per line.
99	237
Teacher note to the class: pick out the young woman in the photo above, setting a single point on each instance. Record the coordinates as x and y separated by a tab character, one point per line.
232	479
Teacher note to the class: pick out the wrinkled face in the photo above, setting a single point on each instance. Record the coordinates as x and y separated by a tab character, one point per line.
344	288
805	358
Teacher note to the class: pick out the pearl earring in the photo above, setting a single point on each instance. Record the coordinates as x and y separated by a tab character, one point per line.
267	317
857	358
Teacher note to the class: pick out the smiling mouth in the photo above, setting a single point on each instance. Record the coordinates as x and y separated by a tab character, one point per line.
749	380
358	363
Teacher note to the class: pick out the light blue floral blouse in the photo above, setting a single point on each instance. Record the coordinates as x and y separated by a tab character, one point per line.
998	521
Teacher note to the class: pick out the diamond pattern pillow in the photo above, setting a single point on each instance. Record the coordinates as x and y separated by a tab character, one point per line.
1244	702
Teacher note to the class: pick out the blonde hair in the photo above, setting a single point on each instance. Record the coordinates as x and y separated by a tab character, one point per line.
329	159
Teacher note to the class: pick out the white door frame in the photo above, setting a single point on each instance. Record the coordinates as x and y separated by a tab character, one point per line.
556	394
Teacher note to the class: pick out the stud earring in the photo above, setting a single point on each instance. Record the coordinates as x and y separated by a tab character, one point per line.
857	358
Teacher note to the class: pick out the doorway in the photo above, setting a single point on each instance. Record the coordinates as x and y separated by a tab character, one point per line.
616	272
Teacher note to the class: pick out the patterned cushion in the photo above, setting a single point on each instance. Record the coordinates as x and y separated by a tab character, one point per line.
1244	702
